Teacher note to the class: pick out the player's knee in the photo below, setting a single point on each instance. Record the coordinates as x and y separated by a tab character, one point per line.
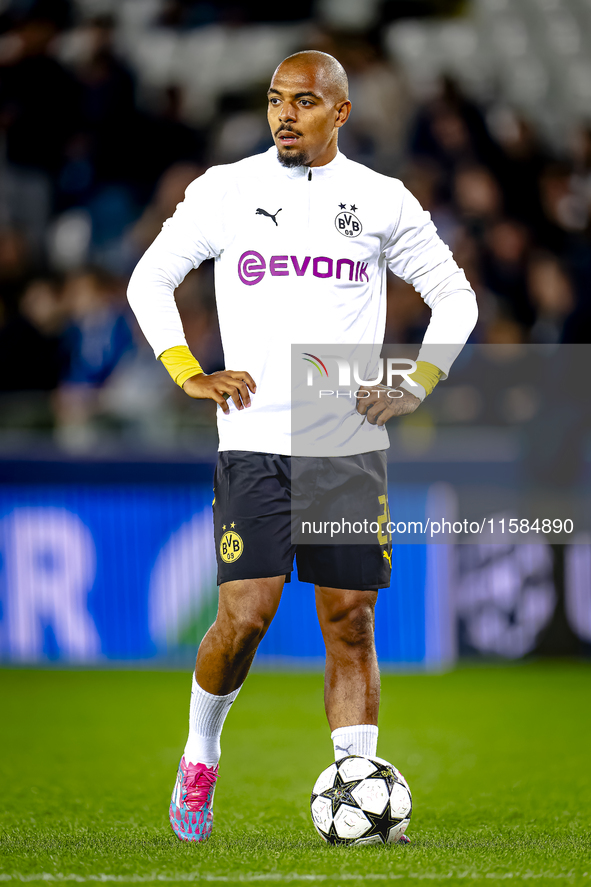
351	627
245	611
248	627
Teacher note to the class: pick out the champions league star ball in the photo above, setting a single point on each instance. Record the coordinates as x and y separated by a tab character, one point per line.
361	800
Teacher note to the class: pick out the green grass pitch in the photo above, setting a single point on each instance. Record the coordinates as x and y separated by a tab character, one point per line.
498	759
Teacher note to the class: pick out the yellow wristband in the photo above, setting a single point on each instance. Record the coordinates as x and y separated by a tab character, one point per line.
180	363
427	375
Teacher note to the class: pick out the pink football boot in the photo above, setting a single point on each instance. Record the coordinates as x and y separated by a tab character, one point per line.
191	805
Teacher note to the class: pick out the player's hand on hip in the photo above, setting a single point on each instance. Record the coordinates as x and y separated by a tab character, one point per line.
222	386
378	405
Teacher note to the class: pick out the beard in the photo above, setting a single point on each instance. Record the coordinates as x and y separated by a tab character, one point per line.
292	158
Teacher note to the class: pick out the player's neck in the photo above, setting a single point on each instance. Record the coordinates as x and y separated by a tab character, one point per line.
327	156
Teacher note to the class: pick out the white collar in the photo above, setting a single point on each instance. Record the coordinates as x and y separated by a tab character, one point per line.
317	172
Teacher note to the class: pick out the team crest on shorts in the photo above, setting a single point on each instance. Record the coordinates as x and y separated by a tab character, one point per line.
231	546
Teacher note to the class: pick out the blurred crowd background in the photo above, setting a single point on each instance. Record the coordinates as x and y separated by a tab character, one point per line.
109	108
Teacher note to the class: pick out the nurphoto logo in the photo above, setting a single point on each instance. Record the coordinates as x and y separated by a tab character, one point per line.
389	368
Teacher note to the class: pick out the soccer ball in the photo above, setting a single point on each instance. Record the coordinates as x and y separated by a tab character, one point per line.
361	800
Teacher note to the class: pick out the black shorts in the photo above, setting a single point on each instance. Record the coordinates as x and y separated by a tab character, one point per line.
253	519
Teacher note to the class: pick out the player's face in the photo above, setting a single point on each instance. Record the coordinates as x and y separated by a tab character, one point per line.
304	115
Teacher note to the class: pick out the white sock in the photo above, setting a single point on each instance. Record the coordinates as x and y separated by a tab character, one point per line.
206	719
361	739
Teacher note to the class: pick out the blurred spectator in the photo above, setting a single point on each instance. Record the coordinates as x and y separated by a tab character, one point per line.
477	198
170	138
98	334
15	262
39	112
581	153
503	331
423	178
564	210
376	133
30	353
139	394
104	149
96	339
504	268
451	130
520	164
551	296
170	191
242	128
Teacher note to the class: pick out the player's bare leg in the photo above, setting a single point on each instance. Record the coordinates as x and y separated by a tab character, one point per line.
352	678
245	611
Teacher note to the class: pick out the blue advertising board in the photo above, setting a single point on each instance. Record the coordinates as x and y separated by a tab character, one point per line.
95	573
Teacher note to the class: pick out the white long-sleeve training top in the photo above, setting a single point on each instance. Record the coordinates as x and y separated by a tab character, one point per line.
300	258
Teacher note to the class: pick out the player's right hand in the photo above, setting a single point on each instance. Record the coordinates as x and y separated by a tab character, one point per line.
378	406
222	386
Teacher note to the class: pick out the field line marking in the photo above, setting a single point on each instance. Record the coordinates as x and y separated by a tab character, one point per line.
252	877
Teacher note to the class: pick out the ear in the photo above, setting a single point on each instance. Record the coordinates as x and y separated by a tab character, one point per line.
343	110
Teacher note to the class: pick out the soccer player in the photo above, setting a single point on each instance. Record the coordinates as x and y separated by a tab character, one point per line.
288	271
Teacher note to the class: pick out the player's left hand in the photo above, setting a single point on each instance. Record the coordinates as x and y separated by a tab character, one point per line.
377	406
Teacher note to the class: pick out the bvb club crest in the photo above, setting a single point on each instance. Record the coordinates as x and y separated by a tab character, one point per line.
347	223
231	547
